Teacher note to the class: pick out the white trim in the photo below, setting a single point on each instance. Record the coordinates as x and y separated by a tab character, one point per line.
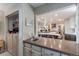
77	26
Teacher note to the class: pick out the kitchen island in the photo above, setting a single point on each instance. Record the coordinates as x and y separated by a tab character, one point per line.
50	47
49	35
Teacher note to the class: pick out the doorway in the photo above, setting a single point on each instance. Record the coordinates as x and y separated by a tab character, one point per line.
13	33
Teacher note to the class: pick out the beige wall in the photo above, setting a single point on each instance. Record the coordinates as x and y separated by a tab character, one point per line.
2	33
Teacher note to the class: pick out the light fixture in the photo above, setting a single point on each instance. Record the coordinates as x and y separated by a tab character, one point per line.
59	19
42	17
56	14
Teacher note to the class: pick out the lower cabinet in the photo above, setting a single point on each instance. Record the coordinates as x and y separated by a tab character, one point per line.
27	51
36	48
36	53
33	50
46	52
27	45
62	54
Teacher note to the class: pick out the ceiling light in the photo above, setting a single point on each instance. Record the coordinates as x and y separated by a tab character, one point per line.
56	14
59	19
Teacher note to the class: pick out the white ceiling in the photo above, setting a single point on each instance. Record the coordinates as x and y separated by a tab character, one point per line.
58	16
36	4
4	6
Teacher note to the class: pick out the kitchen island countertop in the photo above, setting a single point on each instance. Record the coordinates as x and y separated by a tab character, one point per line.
63	46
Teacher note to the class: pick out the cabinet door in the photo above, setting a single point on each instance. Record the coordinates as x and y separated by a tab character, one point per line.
36	48
27	45
46	52
27	51
9	42
15	44
36	53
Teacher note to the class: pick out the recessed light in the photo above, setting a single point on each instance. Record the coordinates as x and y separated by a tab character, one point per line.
56	14
59	19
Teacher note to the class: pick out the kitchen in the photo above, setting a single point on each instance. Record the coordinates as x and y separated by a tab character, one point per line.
40	29
58	24
55	34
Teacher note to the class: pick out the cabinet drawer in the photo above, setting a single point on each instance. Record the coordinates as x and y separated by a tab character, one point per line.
46	52
27	45
36	48
36	53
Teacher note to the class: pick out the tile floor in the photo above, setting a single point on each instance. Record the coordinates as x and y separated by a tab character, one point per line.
5	54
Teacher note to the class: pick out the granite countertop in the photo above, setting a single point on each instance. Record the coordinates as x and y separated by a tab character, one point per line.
64	46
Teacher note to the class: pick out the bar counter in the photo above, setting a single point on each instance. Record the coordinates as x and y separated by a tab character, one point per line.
62	46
